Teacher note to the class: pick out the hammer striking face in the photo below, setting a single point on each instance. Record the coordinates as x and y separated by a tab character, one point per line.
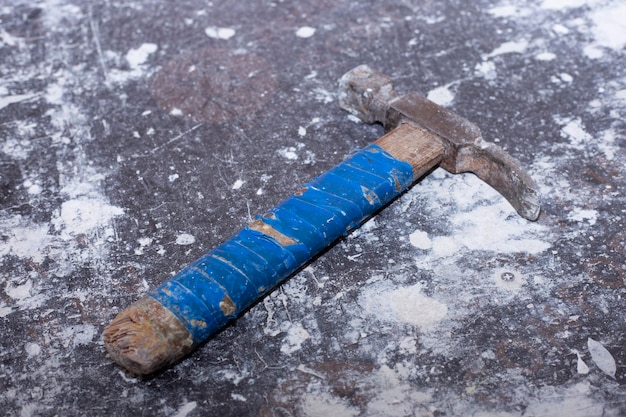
162	327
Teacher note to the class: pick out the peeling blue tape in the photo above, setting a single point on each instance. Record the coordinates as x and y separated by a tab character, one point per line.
226	281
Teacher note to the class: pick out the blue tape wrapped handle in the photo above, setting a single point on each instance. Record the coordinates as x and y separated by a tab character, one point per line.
161	328
226	281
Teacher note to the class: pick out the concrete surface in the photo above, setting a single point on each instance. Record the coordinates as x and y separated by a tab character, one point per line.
137	135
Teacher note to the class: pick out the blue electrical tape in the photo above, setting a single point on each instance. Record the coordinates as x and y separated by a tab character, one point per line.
227	280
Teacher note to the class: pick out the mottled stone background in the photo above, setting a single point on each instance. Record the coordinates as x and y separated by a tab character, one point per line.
136	135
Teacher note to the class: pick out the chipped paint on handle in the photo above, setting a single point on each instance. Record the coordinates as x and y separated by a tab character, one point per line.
220	285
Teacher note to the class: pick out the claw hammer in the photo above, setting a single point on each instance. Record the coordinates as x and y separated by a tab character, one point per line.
161	328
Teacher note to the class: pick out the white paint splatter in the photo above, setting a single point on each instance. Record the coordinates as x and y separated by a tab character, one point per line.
238	397
288	153
442	95
184	239
173	177
602	357
508	48
77	335
19	292
507	10
571	401
24	241
17	98
545	56
176	111
238	184
5	311
185	409
581	366
492	228
420	240
296	336
32	349
574	130
324	403
607	145
486	69
581	215
564	4
302	131
305	32
609	26
404	305
220	33
85	215
138	57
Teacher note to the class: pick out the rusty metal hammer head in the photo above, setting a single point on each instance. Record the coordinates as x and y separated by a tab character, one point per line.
370	95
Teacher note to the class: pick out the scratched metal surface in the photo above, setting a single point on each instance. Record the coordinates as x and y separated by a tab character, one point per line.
136	135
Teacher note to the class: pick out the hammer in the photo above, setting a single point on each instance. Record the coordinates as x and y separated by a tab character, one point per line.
164	326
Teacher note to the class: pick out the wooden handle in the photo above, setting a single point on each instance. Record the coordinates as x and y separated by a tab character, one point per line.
184	311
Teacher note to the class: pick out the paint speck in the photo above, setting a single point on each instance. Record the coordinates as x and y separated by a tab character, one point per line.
185	409
296	336
486	69
565	77
184	239
238	397
173	177
581	366
509	48
5	311
32	189
305	32
441	95
581	215
575	131
176	112
137	57
562	4
503	11
219	33
32	349
420	240
18	98
288	153
302	131
238	184
545	56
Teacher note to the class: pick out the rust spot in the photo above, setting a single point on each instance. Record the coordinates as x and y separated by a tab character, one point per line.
266	229
227	306
370	195
300	192
198	323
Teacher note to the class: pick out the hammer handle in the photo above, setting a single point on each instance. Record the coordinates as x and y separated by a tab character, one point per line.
227	280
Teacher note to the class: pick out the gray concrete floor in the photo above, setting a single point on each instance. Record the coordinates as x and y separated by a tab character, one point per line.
137	135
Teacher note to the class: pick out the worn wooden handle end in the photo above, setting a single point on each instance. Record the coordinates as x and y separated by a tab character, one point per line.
146	337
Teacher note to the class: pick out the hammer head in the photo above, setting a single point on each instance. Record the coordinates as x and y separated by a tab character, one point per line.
370	95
